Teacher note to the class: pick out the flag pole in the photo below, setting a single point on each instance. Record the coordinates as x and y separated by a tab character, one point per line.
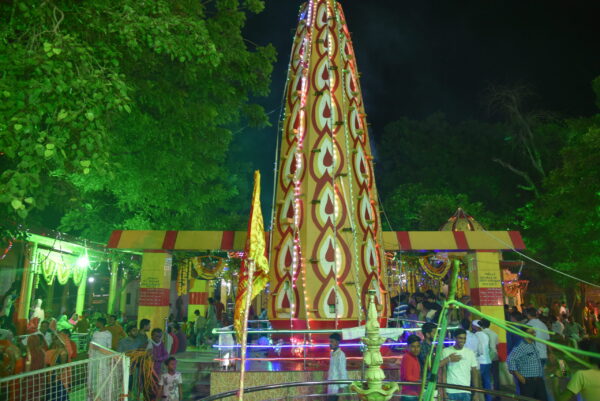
251	268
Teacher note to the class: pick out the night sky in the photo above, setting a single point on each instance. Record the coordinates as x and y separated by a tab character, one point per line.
421	57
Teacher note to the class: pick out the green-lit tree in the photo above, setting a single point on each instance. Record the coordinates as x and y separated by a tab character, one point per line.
119	114
562	225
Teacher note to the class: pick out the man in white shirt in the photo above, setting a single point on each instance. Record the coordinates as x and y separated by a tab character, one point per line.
541	332
472	341
337	367
102	337
493	337
483	357
459	365
46	332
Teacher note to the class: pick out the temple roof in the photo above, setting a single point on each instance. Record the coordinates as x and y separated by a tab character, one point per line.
461	221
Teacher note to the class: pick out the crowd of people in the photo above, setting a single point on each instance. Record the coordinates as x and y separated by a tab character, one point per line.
537	370
472	359
50	342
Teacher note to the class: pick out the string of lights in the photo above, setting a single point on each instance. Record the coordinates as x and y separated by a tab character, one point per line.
323	345
350	177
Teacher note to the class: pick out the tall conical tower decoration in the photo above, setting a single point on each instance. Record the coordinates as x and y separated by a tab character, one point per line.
326	242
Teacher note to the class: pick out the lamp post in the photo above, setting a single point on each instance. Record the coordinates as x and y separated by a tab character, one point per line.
373	389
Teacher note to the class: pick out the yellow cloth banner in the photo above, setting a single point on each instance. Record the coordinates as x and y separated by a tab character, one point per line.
256	250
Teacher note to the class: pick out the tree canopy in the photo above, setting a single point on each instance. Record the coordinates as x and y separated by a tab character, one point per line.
119	114
530	170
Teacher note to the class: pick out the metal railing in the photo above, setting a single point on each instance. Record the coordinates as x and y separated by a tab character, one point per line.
277	386
104	377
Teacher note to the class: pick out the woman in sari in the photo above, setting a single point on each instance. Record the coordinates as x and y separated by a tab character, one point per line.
74	319
36	359
12	363
57	381
37	316
9	354
63	324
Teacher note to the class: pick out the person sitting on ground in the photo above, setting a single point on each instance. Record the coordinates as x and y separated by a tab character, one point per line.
46	333
586	381
170	382
63	324
410	368
36	353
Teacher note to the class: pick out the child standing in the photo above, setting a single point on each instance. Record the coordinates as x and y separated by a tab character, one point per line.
170	383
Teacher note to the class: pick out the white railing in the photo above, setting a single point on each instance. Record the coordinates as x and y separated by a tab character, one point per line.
102	377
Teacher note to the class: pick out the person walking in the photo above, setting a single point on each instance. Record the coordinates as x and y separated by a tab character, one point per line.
525	364
337	367
483	357
494	340
459	366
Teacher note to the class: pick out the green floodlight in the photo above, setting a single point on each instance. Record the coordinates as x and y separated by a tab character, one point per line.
83	261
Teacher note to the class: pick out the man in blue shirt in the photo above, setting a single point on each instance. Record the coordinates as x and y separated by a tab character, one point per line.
525	364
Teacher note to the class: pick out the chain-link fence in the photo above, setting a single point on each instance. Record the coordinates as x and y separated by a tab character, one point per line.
102	377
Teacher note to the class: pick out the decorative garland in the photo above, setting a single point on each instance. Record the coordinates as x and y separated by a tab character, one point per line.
419	273
63	272
78	273
209	267
184	272
49	270
431	270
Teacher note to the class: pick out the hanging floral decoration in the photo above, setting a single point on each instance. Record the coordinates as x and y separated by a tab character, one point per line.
434	266
412	274
48	267
184	273
78	273
209	267
54	265
63	272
